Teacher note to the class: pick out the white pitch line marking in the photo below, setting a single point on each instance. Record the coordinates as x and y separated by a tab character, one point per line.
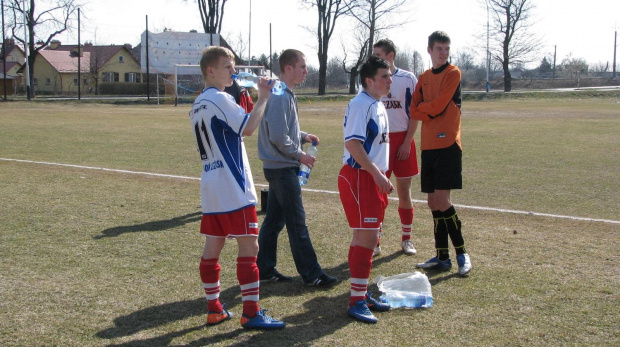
481	208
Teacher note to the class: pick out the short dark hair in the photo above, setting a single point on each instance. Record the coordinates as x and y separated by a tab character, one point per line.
289	57
438	36
370	67
386	45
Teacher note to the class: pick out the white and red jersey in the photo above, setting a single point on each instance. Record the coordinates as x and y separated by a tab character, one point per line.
366	120
398	101
226	183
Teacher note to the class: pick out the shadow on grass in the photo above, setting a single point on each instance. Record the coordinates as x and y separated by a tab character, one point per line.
322	316
151	226
435	277
153	317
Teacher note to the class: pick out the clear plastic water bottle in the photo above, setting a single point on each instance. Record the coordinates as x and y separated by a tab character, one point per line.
410	290
304	171
248	80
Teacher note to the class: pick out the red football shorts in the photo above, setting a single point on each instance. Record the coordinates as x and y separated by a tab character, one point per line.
363	205
402	168
242	222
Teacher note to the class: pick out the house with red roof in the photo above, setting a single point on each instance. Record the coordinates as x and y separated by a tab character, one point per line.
108	64
56	72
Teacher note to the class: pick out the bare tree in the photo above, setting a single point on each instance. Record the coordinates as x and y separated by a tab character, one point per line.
417	63
373	13
599	67
238	44
336	75
403	59
369	16
464	60
574	67
212	15
328	13
361	45
53	18
312	78
515	45
96	64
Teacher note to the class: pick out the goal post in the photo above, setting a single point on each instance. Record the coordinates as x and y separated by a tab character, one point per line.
187	80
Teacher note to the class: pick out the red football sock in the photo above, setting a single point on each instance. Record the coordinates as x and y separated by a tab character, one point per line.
210	276
351	248
359	265
247	274
406	221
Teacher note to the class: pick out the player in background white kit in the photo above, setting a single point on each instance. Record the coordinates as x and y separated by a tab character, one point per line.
228	197
403	157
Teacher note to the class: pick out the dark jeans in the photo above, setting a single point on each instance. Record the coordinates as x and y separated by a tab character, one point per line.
285	207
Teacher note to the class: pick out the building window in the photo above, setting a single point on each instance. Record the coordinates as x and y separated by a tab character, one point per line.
48	81
110	77
121	59
35	82
75	81
132	77
85	81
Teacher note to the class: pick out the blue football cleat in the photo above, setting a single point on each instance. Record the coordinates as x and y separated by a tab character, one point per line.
261	321
361	312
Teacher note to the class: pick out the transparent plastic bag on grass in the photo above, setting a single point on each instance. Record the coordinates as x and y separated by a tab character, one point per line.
411	290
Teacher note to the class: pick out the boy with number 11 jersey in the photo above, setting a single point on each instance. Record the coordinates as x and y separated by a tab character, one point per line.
227	191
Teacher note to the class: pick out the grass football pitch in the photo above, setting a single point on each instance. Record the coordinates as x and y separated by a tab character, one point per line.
94	257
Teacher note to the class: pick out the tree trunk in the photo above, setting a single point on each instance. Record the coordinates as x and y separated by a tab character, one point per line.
506	67
507	80
352	80
322	72
31	58
32	54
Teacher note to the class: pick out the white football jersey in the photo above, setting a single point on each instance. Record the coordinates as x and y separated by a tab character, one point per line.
226	183
398	101
366	120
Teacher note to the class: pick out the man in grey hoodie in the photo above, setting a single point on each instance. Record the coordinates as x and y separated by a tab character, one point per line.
280	148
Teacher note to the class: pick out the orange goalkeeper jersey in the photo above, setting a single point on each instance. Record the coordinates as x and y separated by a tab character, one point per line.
437	103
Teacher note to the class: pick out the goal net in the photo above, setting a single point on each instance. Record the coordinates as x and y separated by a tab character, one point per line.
187	81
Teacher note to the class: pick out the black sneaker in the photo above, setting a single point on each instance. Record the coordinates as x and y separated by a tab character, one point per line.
276	277
323	280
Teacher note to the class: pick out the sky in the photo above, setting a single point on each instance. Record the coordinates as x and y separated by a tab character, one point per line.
582	29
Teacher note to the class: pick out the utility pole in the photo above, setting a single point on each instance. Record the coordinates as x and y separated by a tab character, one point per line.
26	50
270	54
148	81
488	87
555	50
79	53
3	55
250	37
615	48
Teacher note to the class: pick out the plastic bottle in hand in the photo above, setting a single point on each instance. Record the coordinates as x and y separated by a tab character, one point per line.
304	171
248	80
